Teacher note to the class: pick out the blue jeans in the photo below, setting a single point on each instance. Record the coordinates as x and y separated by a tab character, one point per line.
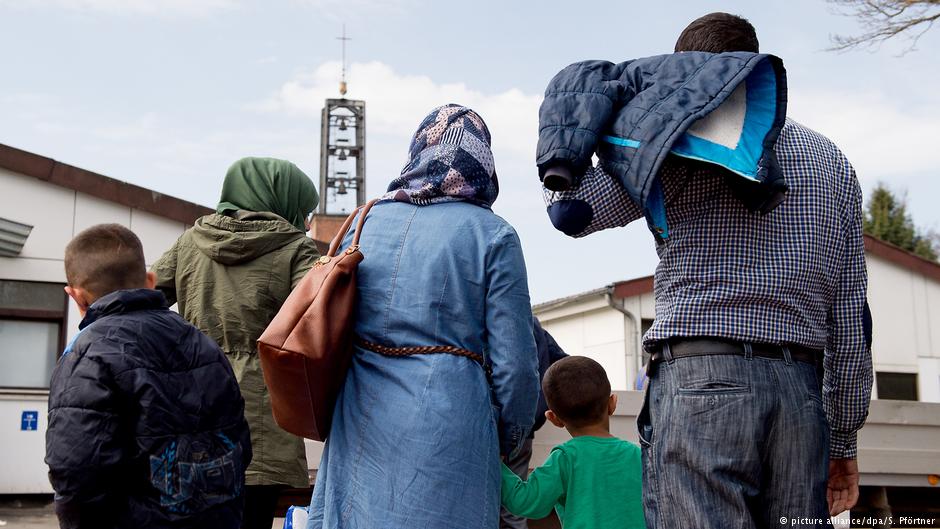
734	442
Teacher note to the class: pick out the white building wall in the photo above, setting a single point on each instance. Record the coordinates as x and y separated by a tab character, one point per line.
932	312
597	334
157	233
928	380
900	314
48	208
591	327
90	211
56	214
22	452
905	308
644	305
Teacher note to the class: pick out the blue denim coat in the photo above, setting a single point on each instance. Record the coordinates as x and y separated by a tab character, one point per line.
416	440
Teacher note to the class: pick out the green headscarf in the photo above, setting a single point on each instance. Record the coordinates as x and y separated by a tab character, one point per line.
271	185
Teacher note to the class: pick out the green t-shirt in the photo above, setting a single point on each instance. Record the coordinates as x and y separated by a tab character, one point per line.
592	482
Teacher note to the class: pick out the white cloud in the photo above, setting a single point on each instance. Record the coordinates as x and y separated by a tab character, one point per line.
171	153
881	136
396	103
886	139
127	7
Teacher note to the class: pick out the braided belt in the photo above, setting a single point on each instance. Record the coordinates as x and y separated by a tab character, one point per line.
422	350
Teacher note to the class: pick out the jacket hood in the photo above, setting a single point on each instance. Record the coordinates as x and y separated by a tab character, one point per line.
231	241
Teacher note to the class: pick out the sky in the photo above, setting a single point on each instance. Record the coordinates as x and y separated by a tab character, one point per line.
166	94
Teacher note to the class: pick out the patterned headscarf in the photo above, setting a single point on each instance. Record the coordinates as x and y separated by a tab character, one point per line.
449	160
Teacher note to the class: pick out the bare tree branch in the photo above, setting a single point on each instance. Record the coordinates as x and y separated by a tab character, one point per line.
885	19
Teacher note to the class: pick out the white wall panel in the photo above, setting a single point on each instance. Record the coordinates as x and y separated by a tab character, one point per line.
47	207
932	317
73	318
90	211
156	233
22	452
56	214
919	313
20	269
928	380
597	333
892	300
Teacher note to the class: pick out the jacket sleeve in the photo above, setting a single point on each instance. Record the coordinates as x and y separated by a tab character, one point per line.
549	352
579	102
538	495
848	365
165	270
510	344
303	261
597	202
83	449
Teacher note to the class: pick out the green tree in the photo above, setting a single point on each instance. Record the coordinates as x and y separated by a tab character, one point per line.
886	218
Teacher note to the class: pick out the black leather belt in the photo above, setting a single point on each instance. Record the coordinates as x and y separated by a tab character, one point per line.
710	346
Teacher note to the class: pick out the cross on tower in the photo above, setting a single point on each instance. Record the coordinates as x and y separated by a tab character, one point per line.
342	83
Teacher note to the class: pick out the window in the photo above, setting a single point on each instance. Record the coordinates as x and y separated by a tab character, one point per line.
896	386
32	332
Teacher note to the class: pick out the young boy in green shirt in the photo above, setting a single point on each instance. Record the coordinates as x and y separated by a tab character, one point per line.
593	481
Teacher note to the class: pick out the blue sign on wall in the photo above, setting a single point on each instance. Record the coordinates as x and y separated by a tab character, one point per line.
30	421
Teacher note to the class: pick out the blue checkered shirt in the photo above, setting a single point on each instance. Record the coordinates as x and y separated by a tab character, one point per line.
794	276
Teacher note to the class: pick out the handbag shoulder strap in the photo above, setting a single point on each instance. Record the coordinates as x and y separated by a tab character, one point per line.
362	211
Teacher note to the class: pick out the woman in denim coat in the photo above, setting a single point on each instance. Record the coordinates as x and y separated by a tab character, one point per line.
416	438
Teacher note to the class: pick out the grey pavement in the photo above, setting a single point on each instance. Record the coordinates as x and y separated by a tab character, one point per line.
36	512
27	512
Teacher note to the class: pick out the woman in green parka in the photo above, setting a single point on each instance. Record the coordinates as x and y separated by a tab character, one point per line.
230	273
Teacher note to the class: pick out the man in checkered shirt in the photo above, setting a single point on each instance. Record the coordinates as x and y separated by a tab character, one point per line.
734	427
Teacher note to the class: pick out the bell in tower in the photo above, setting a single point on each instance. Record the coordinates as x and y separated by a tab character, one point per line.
342	159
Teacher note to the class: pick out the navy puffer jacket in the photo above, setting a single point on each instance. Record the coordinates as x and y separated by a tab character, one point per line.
146	424
634	113
549	353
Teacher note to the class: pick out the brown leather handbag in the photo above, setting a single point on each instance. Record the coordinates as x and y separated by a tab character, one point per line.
306	349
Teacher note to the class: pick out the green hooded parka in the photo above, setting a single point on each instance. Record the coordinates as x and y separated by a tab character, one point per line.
230	274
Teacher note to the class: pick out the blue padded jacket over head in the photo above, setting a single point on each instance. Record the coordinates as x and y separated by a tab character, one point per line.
726	109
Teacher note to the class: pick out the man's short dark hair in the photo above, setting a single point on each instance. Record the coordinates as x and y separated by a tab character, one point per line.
577	390
718	33
105	258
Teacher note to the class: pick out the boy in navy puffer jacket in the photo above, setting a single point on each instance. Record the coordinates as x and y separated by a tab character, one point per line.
146	424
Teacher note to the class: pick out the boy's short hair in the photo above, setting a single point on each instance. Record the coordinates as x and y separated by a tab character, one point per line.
105	258
577	389
718	33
